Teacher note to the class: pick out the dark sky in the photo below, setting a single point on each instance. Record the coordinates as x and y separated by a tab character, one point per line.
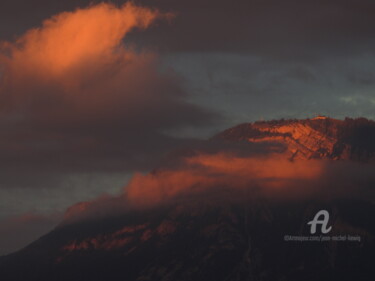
73	129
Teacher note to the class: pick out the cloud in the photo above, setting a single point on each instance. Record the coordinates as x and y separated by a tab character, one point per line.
209	175
75	97
70	39
287	30
202	173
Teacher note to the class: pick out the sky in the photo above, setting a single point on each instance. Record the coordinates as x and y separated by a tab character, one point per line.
92	92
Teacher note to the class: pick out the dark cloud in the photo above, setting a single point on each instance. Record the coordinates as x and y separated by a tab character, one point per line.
279	29
284	29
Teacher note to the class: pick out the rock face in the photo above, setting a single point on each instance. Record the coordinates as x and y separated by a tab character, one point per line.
199	239
321	137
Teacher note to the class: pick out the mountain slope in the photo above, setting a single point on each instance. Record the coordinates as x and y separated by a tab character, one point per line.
195	242
225	234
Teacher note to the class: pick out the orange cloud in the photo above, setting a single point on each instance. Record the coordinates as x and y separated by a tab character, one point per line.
272	173
73	88
77	62
228	177
71	38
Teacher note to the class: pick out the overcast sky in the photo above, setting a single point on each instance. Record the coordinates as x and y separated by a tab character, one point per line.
77	118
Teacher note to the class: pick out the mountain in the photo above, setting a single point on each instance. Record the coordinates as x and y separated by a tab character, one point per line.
228	234
319	137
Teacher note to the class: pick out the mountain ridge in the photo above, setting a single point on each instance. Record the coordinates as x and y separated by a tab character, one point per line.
320	137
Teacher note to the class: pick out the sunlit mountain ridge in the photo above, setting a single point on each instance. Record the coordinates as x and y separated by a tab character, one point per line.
319	137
